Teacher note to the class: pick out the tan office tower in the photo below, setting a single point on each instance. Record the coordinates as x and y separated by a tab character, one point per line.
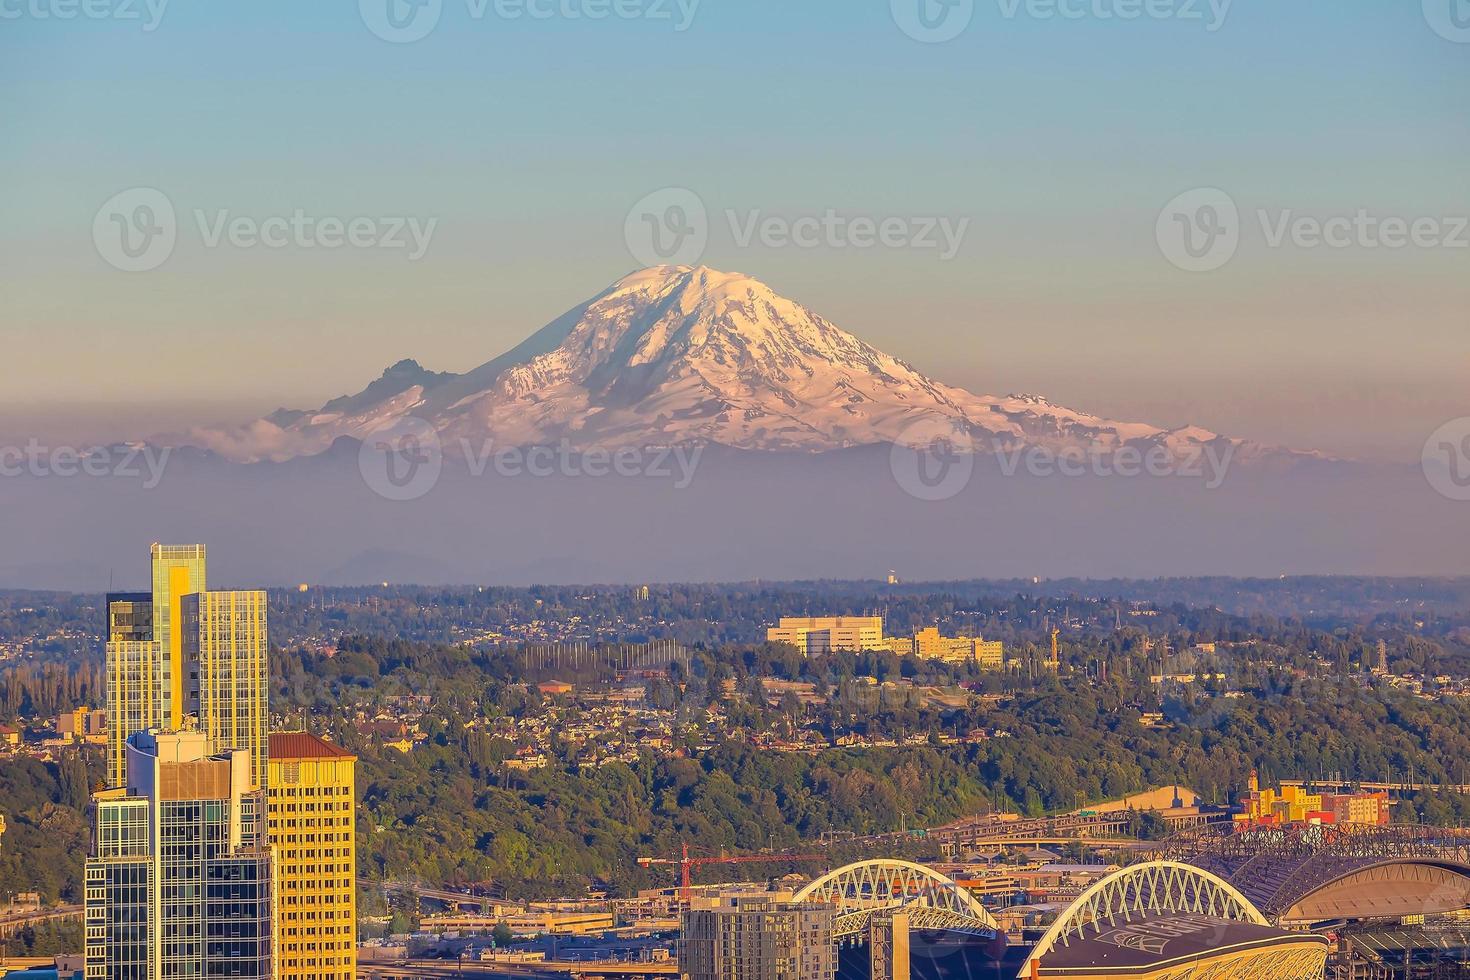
180	656
310	811
760	936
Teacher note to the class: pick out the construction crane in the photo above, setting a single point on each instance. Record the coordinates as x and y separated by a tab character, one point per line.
1056	652
687	864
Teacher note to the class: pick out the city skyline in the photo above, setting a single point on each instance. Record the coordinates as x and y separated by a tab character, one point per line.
211	856
824	778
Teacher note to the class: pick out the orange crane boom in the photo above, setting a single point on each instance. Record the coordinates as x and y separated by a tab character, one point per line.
687	864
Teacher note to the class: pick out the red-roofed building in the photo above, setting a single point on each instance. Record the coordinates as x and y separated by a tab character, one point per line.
304	745
312	807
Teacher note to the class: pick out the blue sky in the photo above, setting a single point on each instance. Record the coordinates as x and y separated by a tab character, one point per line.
527	140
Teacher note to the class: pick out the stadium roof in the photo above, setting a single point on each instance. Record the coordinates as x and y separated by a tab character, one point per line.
1154	942
1321	873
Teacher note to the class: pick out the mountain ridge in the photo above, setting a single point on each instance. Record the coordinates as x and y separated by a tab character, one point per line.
676	355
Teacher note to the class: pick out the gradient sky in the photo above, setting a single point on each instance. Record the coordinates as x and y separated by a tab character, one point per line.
529	140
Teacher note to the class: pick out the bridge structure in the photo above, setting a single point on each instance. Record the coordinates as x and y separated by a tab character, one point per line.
11	924
1403	786
995	831
867	888
445	895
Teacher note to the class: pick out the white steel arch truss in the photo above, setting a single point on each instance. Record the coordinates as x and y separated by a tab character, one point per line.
1146	889
863	887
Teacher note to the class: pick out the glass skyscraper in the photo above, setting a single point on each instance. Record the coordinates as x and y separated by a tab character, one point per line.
180	885
181	881
181	655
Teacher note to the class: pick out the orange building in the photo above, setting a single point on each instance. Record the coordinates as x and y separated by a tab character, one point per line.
1295	805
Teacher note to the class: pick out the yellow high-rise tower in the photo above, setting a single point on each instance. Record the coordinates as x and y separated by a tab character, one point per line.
145	652
310	812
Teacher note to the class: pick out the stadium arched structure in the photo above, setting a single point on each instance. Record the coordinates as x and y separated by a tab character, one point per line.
1298	876
931	900
1171	892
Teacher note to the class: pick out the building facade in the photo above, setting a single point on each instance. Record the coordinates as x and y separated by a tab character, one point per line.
181	652
1262	806
825	634
179	884
930	644
762	936
310	808
226	656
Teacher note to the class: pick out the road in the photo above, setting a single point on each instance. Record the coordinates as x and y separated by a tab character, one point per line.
11	924
1369	787
425	891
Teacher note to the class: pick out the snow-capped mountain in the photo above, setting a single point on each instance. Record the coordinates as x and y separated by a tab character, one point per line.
684	356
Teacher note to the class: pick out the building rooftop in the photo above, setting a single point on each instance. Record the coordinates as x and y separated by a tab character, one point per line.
303	745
